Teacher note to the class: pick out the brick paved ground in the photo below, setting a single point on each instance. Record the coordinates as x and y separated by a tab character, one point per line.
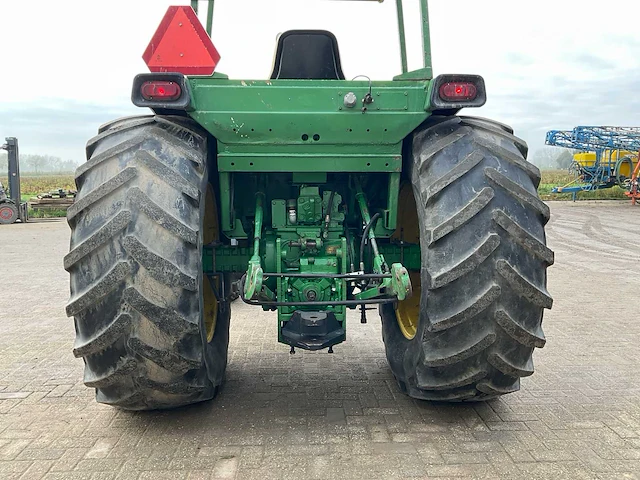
315	415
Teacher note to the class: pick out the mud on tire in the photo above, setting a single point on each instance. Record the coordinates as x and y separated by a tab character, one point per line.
136	266
484	260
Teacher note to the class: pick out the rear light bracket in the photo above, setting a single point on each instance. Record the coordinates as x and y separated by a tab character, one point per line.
183	102
437	103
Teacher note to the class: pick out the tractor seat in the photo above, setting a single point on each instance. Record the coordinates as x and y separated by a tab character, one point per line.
307	55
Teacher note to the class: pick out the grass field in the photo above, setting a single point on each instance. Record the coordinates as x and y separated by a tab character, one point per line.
554	178
31	185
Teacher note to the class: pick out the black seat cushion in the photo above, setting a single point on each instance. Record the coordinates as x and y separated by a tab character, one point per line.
307	55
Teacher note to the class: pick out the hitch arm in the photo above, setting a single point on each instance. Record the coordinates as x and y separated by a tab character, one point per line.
398	284
253	287
379	265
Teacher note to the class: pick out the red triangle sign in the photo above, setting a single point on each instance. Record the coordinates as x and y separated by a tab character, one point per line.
182	45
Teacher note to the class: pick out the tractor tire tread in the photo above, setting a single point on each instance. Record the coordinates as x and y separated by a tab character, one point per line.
99	289
484	255
456	353
138	199
524	238
459	218
122	370
110	229
466	311
102	338
159	268
519	193
100	192
135	266
466	265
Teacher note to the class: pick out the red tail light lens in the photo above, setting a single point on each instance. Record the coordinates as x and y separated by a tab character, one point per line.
456	91
158	90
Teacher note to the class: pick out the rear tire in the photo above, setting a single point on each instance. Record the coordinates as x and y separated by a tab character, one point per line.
8	213
483	281
143	311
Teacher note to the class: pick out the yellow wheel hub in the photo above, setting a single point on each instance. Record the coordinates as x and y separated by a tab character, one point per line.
408	311
408	230
210	234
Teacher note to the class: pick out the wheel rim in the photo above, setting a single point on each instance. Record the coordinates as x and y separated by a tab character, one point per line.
408	230
6	213
210	235
408	311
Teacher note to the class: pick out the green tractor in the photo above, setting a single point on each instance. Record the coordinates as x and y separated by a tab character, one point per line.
320	194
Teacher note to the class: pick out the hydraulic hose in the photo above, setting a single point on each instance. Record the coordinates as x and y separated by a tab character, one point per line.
365	233
327	218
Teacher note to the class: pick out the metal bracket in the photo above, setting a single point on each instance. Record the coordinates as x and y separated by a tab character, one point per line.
400	282
254	271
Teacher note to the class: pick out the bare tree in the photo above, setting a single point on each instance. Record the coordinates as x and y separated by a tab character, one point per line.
552	157
67	166
565	159
36	163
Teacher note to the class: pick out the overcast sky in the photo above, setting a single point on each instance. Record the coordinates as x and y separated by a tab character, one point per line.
67	65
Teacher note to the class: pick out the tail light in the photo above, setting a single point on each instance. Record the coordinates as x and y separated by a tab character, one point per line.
161	90
453	92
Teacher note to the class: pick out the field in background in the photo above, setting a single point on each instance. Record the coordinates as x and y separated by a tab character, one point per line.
34	185
31	185
554	178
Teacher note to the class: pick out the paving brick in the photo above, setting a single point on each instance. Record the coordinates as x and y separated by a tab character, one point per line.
464	458
162	475
40	454
69	476
313	415
101	448
68	460
543	455
12	395
335	415
59	390
226	467
99	464
391	448
13	448
15	467
37	470
103	476
470	471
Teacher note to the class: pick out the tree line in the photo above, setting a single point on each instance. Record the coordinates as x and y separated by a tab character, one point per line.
39	164
552	158
544	158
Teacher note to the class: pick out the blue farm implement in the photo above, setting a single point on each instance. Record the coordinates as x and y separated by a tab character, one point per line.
607	156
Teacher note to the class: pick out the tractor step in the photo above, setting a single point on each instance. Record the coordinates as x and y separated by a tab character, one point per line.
313	330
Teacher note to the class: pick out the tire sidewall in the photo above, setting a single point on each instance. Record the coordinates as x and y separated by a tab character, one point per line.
403	353
215	351
397	346
435	364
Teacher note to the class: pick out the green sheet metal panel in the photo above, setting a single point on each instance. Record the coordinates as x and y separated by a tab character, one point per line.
268	125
